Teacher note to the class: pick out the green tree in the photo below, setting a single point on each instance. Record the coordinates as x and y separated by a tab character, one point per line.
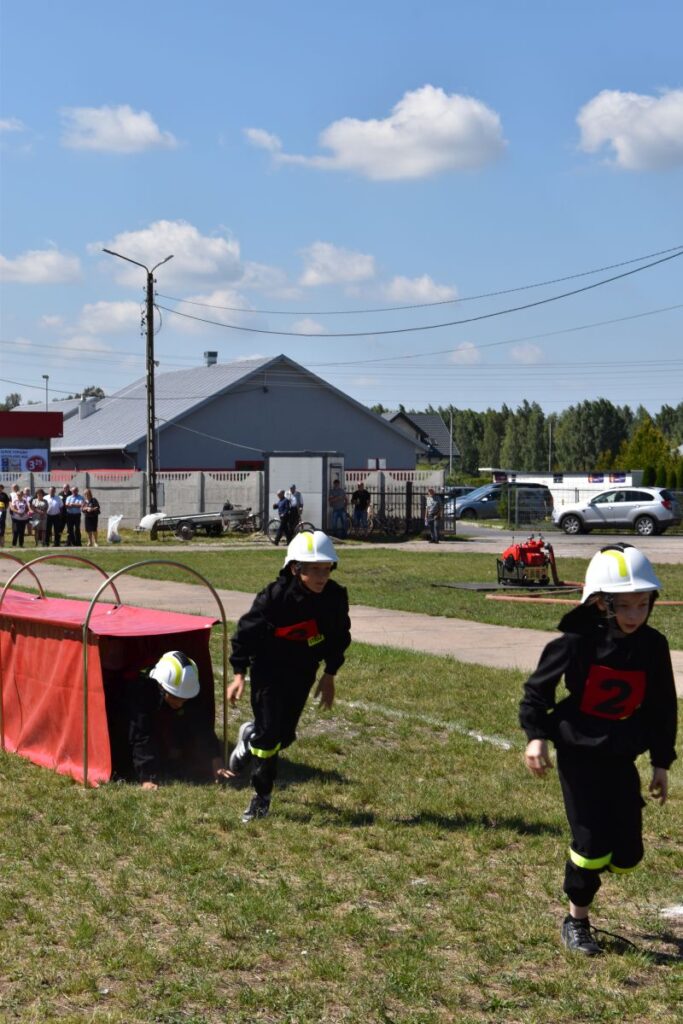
494	427
468	432
647	447
511	445
11	402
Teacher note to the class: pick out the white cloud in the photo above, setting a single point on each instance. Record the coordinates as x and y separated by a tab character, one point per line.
526	353
12	124
222	305
113	130
196	256
466	354
428	132
308	326
419	289
327	264
644	133
264	140
110	318
51	320
79	344
40	266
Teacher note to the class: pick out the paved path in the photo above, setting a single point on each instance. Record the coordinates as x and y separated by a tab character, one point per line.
474	642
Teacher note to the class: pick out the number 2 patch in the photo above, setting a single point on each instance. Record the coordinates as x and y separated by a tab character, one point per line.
612	692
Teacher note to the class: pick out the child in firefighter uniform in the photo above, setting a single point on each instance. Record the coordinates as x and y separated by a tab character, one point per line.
160	729
621	703
298	622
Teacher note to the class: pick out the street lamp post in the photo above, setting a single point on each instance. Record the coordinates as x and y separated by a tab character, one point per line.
151	444
46	378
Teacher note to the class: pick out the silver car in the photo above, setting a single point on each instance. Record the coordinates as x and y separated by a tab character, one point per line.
646	510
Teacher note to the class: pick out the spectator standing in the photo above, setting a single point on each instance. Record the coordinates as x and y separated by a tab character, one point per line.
74	506
91	513
39	517
360	503
433	515
4	506
296	502
338	501
64	494
284	511
27	498
54	523
20	511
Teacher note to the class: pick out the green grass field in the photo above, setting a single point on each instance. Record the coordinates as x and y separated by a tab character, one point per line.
410	872
403	580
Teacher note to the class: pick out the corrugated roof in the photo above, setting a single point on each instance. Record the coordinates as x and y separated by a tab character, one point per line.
120	420
67	406
434	428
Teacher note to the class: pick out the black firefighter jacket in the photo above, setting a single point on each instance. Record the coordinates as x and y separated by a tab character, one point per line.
622	695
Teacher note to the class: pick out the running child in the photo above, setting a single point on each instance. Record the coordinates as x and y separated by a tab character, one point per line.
298	622
621	703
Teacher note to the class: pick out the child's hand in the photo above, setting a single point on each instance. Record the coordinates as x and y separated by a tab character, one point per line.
235	689
659	787
325	690
537	758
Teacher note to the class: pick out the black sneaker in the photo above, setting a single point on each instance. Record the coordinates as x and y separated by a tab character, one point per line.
241	755
258	808
578	937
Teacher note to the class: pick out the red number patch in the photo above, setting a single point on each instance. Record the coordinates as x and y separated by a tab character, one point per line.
612	692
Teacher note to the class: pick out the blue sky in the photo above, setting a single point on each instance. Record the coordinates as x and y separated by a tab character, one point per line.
310	157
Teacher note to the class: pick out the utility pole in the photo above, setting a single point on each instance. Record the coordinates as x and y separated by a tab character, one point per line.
450	454
151	442
46	378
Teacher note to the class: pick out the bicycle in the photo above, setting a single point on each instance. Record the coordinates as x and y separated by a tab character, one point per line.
273	527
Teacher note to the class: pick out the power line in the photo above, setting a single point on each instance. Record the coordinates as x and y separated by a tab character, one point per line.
508	341
420	305
427	327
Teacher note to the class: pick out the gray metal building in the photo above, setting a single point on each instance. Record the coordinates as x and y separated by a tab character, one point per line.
224	416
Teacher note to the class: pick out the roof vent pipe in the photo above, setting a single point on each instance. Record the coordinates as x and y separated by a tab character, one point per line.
211	358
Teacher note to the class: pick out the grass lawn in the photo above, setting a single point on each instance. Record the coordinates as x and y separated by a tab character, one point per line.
409	872
391	578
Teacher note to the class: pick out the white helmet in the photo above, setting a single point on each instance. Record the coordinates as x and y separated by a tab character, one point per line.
621	569
311	547
177	674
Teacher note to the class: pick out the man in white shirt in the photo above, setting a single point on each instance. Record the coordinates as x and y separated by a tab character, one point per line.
74	503
54	518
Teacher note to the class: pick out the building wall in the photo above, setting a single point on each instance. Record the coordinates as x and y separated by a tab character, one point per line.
290	412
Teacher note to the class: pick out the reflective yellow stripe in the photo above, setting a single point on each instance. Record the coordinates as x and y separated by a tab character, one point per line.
309	540
621	562
621	871
590	863
264	753
170	660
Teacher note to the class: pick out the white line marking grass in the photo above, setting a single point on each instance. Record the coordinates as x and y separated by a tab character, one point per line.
456	727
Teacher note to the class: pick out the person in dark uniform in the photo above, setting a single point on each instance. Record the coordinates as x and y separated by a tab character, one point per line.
621	702
297	623
160	730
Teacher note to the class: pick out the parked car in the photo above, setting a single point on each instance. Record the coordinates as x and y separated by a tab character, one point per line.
449	498
646	510
531	501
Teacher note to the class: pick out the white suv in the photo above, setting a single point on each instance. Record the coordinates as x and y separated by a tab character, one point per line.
647	510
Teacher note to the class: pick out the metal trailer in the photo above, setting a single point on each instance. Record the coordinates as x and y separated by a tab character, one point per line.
213	524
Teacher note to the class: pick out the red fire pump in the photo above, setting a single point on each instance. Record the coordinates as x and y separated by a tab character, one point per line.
529	564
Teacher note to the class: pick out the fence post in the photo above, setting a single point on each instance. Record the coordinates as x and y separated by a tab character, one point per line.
201	490
409	505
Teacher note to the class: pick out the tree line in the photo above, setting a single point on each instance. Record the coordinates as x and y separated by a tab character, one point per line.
591	436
